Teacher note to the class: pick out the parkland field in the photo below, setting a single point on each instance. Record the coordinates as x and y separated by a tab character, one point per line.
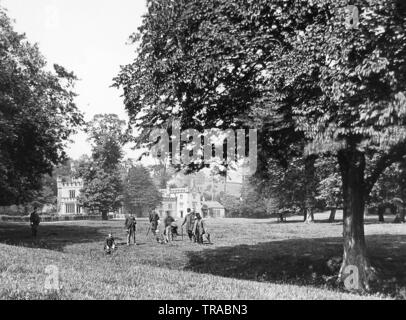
250	259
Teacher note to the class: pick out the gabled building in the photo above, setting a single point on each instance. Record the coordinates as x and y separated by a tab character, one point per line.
216	210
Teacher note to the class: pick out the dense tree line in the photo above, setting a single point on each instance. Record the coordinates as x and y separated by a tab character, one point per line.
109	182
141	195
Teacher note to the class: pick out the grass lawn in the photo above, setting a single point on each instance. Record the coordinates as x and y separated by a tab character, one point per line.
250	259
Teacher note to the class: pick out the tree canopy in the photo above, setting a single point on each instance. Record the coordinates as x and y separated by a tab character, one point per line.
140	192
38	115
102	190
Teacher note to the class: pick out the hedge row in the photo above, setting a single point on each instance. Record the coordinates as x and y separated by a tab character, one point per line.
50	218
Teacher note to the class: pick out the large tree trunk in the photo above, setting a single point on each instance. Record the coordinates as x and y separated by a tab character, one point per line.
105	216
400	215
304	212
310	180
309	215
381	213
332	217
356	271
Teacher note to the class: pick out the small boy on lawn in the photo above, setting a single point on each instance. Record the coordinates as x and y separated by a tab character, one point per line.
110	245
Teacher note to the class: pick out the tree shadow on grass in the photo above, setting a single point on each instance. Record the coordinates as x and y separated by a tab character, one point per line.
376	222
299	219
302	261
369	221
50	236
276	222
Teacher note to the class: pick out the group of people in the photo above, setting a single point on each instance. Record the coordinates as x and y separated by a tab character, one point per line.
193	224
195	227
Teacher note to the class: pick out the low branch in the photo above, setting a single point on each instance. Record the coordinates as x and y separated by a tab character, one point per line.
395	154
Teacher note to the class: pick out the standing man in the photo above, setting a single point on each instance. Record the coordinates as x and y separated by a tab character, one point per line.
169	220
154	222
131	226
35	220
198	229
190	222
205	210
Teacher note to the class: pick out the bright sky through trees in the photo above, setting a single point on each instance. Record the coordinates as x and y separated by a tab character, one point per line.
88	37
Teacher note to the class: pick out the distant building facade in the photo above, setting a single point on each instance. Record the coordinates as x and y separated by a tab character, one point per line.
68	194
178	200
174	200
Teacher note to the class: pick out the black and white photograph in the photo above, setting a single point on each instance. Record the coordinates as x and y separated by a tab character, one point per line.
202	155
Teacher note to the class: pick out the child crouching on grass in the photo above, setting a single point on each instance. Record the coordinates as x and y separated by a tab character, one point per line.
110	245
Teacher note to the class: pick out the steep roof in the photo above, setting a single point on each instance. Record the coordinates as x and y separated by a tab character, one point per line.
213	205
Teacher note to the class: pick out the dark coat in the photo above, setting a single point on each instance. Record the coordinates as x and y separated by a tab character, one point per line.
189	221
198	228
154	217
35	219
168	221
130	223
110	242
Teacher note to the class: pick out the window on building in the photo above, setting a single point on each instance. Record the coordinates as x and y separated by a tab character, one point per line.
78	210
70	208
72	194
